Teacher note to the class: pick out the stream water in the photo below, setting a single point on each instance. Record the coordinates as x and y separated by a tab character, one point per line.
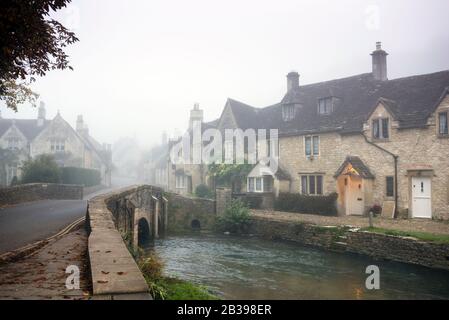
252	268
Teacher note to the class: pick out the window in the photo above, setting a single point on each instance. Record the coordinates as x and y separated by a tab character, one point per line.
288	112
381	128
390	186
250	184
443	123
229	151
325	106
13	143
181	181
57	145
312	184
259	184
312	146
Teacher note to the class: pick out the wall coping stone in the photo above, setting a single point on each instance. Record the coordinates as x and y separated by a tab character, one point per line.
114	271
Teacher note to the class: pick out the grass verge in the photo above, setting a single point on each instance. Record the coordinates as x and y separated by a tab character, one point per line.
424	236
167	288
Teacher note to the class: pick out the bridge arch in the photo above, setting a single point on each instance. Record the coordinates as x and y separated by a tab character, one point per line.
195	224
143	232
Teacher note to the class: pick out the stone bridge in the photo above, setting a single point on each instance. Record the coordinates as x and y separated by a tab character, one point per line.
132	216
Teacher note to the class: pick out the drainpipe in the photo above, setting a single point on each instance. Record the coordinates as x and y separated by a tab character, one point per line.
395	158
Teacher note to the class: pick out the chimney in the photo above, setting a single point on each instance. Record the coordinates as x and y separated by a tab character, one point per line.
41	114
292	80
379	63
79	124
196	115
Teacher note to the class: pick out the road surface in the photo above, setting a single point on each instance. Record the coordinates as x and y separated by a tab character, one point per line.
26	223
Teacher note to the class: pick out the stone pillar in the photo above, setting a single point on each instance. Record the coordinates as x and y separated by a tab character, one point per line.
156	217
165	214
223	198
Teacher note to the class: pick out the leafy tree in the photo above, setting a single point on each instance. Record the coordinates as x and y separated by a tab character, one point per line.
226	174
42	169
203	191
31	44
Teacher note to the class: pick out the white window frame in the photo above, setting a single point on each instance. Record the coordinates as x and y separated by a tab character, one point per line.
13	143
381	128
255	189
57	145
312	146
181	181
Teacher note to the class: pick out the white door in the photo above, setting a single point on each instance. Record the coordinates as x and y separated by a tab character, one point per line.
421	197
354	196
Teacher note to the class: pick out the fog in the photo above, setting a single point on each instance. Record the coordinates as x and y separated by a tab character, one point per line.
141	65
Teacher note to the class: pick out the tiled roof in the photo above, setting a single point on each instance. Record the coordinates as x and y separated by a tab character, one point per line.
410	99
358	165
28	127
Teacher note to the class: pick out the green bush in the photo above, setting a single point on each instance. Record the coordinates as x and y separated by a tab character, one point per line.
235	218
81	176
42	169
322	205
204	191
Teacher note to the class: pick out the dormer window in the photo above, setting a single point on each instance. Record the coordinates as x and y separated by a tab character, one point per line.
13	143
288	112
381	128
325	105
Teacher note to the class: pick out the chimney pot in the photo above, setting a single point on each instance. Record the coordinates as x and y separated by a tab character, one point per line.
292	80
379	63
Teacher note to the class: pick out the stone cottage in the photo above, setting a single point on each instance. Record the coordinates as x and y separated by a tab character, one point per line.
24	139
370	139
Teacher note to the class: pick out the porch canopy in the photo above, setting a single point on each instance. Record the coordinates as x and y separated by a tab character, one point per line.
353	165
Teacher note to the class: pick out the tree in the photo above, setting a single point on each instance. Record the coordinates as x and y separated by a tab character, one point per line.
31	44
42	169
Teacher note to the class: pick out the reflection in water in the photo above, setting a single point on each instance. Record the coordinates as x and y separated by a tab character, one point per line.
251	268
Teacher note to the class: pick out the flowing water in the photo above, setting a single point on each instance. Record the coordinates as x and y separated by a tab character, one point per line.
252	268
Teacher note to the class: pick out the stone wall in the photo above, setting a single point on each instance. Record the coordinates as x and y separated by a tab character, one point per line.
183	210
223	197
40	191
344	239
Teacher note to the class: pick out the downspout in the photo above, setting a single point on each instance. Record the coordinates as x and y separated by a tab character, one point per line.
395	158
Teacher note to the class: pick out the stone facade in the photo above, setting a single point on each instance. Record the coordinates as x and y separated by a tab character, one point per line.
26	139
39	191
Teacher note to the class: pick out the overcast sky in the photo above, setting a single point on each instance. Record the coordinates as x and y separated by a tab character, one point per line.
141	65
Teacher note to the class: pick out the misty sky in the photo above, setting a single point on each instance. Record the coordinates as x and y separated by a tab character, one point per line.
141	65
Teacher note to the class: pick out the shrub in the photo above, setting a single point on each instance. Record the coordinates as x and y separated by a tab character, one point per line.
322	205
81	176
235	218
42	169
203	191
152	266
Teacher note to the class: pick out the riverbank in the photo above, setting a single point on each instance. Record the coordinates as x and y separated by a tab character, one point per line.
377	243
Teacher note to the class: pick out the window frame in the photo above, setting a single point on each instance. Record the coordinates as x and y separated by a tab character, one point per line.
314	145
382	123
328	104
387	191
446	133
306	183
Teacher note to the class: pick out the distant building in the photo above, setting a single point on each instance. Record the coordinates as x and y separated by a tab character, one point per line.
25	139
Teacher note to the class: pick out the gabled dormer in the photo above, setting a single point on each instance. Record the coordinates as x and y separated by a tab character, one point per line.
292	101
381	120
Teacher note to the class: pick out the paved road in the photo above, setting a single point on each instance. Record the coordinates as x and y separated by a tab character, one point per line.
29	222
